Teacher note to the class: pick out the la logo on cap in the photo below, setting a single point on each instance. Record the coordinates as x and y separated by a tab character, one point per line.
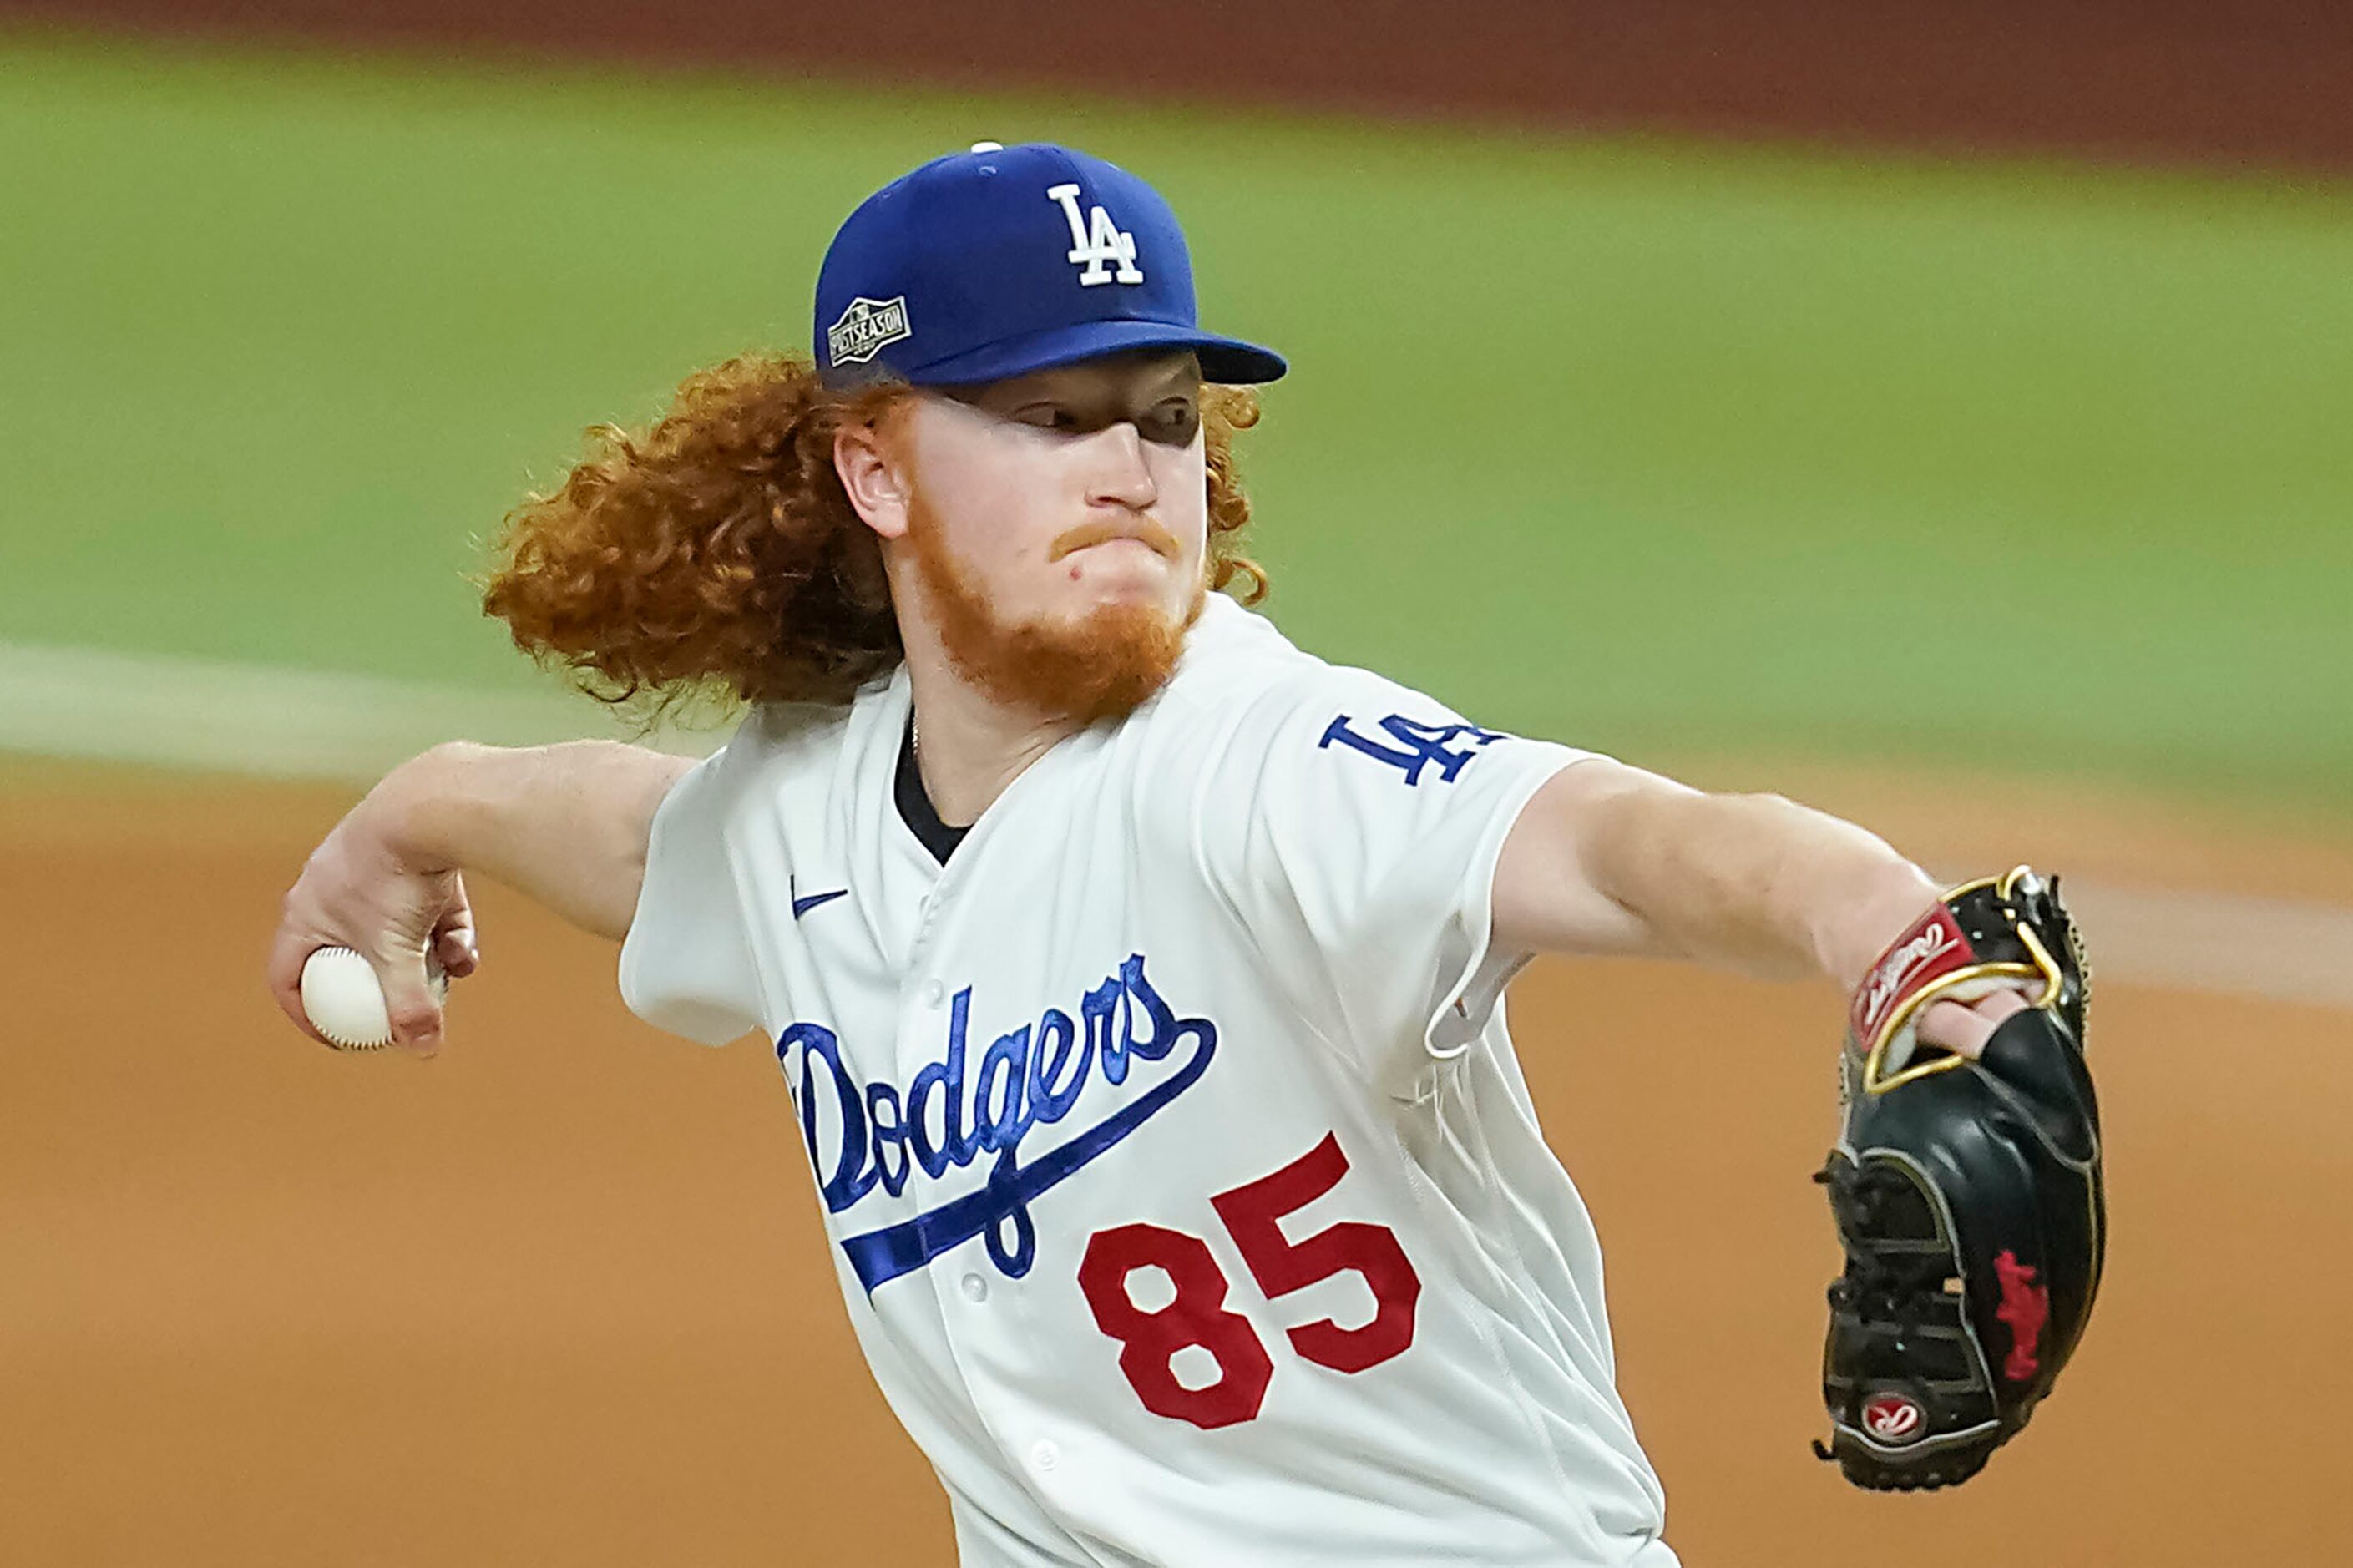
1098	246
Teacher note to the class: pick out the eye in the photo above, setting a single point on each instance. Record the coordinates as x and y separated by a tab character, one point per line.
1049	417
1173	421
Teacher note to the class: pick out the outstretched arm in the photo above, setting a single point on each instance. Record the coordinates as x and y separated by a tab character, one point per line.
1607	858
567	823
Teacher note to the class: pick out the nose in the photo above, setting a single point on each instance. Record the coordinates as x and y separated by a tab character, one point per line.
1118	473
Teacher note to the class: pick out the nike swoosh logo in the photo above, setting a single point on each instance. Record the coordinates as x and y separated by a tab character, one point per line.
802	906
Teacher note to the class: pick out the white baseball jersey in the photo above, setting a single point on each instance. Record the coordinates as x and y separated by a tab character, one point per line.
1182	1182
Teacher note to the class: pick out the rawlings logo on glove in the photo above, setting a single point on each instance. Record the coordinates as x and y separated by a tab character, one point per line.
1908	963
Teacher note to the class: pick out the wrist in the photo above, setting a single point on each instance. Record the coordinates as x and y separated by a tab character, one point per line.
419	810
1861	925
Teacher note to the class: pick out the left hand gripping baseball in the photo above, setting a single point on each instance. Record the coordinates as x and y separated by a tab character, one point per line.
344	1002
403	931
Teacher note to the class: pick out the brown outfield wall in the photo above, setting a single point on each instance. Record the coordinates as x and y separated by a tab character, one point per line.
2264	82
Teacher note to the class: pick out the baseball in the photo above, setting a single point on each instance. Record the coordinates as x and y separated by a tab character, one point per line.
344	1002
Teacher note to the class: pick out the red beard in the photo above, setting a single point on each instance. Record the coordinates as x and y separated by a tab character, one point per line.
1102	667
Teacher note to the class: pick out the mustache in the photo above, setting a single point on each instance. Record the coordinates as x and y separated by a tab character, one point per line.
1162	541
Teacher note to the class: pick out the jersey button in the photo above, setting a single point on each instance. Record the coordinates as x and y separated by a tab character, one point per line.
976	1289
1044	1455
932	992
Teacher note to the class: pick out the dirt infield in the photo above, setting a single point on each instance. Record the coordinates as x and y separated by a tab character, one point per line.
561	1295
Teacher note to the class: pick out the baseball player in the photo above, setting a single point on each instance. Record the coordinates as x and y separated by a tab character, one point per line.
1137	977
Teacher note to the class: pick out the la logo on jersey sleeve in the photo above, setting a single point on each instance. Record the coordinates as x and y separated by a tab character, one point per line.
1411	747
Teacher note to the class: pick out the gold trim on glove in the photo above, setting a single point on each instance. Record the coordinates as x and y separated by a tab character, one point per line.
1875	1079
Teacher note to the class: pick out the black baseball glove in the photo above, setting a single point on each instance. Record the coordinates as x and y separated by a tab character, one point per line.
1967	1195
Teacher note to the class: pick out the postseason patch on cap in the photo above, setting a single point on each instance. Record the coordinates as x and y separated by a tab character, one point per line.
865	329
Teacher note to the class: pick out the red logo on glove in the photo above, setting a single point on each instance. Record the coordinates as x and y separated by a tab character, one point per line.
1931	949
2025	1306
1893	1418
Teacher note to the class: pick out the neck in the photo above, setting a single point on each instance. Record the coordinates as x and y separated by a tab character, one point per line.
969	746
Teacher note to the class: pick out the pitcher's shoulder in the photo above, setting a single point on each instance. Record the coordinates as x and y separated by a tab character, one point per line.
775	741
1232	656
774	728
1237	662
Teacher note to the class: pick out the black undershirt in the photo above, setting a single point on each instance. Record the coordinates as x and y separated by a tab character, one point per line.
915	808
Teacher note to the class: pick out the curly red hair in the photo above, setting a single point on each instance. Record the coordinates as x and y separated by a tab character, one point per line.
713	558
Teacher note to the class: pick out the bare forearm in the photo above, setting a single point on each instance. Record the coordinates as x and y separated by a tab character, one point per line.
565	824
1757	881
1609	858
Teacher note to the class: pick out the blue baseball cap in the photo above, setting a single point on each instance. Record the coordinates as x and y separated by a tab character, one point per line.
1004	260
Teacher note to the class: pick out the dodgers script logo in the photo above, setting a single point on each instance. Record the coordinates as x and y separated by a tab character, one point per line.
875	1134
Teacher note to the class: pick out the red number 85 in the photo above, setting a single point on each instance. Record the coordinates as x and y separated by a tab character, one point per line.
1197	1316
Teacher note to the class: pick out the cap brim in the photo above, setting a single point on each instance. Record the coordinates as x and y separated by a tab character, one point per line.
1228	360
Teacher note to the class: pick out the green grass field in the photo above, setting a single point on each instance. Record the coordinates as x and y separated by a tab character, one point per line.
1651	446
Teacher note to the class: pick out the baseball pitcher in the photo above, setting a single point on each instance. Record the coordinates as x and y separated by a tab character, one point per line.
1138	977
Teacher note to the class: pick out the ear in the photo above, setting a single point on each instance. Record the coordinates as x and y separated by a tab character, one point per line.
873	476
